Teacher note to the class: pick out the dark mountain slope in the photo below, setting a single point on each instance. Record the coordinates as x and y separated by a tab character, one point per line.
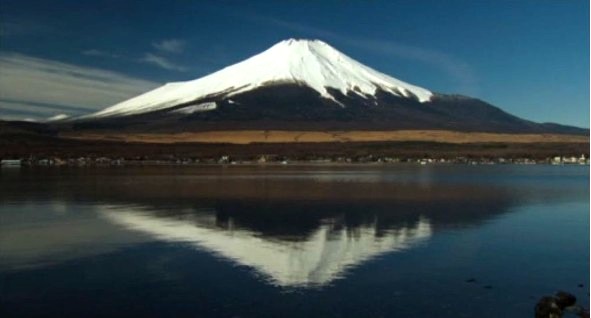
298	107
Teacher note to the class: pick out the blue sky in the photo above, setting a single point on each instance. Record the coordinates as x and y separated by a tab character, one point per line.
530	58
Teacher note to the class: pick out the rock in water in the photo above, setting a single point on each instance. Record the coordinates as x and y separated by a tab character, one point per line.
548	308
564	299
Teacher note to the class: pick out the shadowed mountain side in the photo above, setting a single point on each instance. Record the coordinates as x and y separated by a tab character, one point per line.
23	128
298	107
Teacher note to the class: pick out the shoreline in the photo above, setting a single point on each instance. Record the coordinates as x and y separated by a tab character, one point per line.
582	161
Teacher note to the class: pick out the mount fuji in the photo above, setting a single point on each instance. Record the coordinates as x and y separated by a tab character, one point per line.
305	85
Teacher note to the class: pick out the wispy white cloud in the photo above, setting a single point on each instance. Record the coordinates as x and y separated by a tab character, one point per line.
170	46
34	86
17	109
147	58
162	62
459	71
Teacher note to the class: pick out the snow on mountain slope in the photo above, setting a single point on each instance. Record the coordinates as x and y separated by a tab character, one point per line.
307	62
57	117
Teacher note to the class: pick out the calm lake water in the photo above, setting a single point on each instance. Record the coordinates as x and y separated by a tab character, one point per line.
285	241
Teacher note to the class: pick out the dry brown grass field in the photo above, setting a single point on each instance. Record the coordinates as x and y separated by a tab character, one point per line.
278	136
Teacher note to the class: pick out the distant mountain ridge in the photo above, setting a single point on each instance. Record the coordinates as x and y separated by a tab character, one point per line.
304	85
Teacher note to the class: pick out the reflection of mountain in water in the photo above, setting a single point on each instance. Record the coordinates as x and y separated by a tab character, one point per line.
316	260
296	225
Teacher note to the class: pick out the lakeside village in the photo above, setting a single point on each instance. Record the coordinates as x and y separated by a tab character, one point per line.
282	160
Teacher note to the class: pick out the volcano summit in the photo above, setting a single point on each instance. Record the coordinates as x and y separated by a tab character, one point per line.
312	64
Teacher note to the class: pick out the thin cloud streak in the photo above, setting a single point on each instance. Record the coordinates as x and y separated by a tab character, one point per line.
175	46
21	112
46	86
458	70
147	58
41	109
162	62
17	110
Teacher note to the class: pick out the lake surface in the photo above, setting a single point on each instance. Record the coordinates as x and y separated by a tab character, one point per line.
286	241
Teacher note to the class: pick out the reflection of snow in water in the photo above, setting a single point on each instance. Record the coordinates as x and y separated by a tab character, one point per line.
321	258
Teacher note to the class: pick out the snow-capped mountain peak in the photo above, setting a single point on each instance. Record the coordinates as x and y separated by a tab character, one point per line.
313	63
